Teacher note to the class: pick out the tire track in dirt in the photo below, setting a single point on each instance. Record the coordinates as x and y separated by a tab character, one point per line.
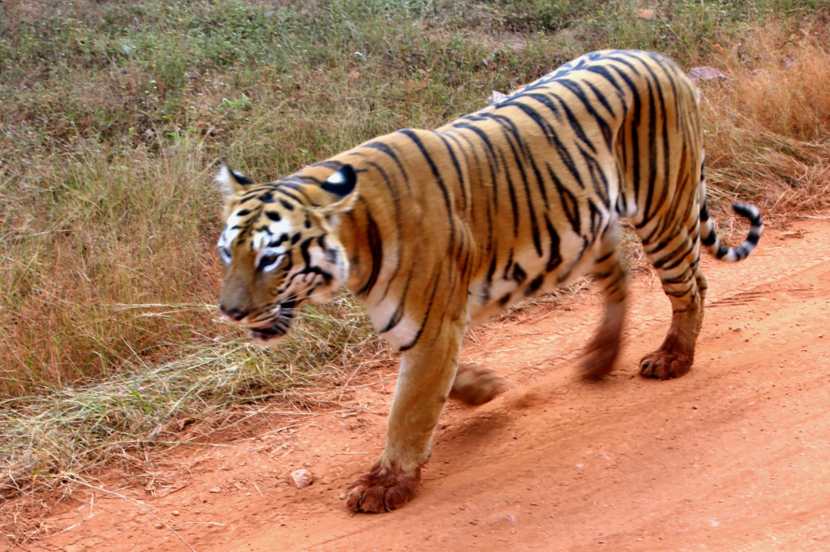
733	456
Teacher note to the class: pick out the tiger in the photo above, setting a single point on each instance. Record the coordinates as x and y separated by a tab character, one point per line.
433	230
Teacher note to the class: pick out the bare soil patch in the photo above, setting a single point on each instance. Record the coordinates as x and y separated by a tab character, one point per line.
732	456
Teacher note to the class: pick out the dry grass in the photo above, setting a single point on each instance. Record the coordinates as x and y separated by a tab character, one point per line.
768	125
46	439
113	113
93	247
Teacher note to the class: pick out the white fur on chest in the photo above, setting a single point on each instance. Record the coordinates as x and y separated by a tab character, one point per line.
403	332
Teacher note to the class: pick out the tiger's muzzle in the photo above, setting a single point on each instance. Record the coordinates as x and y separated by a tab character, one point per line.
277	326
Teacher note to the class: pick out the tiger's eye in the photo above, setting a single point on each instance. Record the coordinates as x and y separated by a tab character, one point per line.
268	261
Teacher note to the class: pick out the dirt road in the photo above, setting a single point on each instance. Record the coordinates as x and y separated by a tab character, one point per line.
733	456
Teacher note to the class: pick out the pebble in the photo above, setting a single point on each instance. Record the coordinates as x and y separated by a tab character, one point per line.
301	478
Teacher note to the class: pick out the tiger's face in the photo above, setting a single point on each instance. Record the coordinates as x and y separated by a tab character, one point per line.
278	251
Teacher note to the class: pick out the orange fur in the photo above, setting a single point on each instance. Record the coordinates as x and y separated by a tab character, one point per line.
434	228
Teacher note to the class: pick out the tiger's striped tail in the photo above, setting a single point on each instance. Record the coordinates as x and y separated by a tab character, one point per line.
709	235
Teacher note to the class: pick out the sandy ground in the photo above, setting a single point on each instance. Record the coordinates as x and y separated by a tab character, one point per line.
733	456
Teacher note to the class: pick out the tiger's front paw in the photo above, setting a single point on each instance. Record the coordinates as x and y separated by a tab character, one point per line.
383	489
601	355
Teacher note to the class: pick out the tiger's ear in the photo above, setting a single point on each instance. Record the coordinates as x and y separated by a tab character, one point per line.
231	182
342	184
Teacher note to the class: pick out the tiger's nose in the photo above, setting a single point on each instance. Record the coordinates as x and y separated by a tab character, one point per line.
233	313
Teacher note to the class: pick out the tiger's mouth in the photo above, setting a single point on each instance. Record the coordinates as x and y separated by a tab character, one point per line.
268	333
277	327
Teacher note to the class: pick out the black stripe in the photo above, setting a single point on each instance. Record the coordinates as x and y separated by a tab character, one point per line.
304	251
437	278
293	186
398	221
604	73
555	258
561	150
683	278
490	205
376	251
574	123
520	165
678	251
567	274
589	107
398	314
634	127
508	123
534	285
439	180
709	239
519	274
652	152
458	173
568	202
603	258
601	97
389	152
512	193
465	183
278	241
653	145
598	180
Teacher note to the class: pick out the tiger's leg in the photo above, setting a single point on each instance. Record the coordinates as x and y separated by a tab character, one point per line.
604	348
685	286
426	374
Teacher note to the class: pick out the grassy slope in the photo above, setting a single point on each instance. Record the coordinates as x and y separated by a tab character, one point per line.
113	113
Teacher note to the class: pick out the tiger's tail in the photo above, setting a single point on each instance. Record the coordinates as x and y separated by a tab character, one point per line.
708	230
709	234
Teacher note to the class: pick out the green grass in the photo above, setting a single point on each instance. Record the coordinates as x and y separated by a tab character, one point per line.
113	115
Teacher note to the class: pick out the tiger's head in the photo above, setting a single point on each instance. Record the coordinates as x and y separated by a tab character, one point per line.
278	247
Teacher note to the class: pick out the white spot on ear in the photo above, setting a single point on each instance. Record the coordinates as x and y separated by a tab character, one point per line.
223	180
336	178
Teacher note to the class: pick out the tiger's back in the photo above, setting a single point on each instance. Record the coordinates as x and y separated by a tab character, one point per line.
597	140
520	195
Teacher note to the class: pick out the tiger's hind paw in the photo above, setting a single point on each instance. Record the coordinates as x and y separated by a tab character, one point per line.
382	490
665	365
474	385
600	356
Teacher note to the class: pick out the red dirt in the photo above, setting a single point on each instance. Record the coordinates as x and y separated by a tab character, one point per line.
733	456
